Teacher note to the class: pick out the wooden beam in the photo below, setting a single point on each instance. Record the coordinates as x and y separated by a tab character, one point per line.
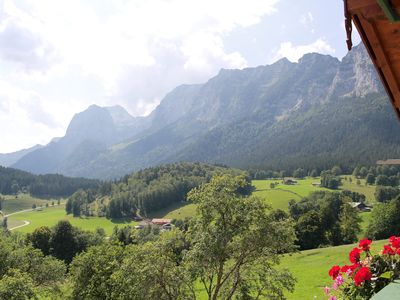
355	5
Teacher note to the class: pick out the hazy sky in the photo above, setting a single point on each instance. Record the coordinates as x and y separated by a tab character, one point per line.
58	57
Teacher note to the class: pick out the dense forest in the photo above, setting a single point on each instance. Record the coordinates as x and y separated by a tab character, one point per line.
145	191
13	181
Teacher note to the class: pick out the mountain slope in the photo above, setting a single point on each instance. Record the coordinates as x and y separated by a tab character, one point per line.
314	113
88	135
7	159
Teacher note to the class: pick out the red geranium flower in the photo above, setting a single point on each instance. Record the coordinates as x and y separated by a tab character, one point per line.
395	241
362	275
364	244
354	255
349	269
334	272
388	250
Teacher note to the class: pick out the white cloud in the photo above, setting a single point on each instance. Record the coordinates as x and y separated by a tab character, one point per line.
61	56
27	118
294	53
306	18
20	43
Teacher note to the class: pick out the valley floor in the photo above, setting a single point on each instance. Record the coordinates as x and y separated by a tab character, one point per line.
51	215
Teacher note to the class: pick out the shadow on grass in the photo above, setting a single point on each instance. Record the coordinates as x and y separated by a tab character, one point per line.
121	221
164	211
114	221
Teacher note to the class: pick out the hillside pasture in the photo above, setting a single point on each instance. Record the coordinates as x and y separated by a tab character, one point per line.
279	196
13	203
51	215
177	211
367	190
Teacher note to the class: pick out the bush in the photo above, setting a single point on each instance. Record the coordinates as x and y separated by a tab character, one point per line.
385	194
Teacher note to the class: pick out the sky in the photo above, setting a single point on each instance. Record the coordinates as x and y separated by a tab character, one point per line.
59	57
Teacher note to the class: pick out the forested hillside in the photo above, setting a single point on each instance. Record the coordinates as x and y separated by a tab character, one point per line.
145	191
316	113
13	181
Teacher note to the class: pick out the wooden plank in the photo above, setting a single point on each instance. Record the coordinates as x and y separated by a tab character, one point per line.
354	5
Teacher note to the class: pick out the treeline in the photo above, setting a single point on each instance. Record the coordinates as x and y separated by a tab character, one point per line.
380	175
145	191
297	173
36	264
325	218
13	181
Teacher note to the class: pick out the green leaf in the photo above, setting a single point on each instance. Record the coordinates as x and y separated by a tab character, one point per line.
387	275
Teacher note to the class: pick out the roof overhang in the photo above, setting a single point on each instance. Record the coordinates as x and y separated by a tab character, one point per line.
378	23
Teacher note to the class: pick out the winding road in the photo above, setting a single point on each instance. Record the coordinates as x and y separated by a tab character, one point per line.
19	226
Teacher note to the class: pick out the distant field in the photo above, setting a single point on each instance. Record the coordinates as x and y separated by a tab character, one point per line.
50	216
367	190
311	268
21	202
277	197
280	196
177	211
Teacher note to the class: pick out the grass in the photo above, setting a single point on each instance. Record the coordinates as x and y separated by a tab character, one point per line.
367	190
280	196
21	202
277	197
175	211
365	219
311	267
50	216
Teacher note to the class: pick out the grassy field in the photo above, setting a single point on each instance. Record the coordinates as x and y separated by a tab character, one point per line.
367	190
277	197
280	196
50	216
176	211
21	202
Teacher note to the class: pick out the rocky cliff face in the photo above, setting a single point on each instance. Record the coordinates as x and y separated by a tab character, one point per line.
356	76
318	112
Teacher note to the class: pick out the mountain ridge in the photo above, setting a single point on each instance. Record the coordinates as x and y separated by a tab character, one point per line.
236	118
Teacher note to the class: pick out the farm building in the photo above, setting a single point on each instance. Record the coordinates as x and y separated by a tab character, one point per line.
161	222
360	206
289	180
388	162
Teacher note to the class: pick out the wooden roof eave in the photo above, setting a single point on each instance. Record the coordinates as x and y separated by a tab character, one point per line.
376	32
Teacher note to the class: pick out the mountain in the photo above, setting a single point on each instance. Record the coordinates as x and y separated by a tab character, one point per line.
7	159
312	114
88	135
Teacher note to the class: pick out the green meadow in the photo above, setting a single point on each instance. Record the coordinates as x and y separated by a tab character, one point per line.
279	196
51	215
179	211
362	188
19	202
